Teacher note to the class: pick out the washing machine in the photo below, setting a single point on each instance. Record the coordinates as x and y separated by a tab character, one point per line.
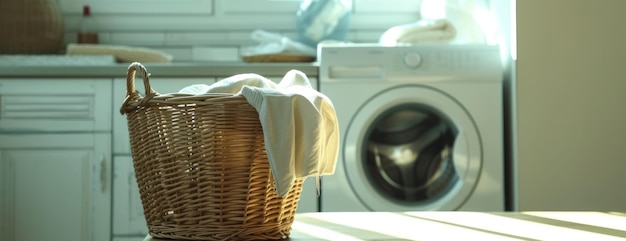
421	127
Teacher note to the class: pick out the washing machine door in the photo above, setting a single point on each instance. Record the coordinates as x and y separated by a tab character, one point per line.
413	148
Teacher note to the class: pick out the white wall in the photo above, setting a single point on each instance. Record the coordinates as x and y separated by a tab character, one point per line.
571	102
217	29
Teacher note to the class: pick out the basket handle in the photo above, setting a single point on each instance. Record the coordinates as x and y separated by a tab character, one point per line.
131	93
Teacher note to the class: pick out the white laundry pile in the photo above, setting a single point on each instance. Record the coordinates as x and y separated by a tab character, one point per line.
273	43
422	31
300	125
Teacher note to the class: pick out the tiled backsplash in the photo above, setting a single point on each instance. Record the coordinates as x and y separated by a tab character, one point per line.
219	36
204	45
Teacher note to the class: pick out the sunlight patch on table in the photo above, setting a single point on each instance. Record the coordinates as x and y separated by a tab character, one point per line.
405	227
320	233
589	218
513	226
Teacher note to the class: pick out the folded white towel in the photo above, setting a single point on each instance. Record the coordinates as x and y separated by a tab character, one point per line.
422	31
120	52
273	43
300	126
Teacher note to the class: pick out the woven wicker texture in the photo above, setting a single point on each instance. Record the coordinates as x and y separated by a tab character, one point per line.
31	27
202	168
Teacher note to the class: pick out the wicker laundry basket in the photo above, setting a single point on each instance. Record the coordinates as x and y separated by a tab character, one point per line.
202	168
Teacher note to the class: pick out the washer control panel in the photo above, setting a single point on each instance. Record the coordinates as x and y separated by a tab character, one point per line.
412	59
359	62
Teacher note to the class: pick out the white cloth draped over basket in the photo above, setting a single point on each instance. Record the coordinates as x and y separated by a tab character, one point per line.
300	125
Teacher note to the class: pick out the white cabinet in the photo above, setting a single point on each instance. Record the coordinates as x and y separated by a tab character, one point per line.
55	159
55	187
55	105
65	164
128	219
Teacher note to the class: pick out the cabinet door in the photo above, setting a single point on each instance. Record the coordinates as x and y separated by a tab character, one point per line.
55	187
128	218
55	105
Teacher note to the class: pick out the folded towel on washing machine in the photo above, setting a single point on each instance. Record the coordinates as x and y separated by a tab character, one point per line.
299	123
422	31
274	43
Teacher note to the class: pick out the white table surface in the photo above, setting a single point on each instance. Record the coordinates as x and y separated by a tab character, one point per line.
353	226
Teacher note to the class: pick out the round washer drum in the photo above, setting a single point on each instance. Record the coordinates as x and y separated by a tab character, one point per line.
412	147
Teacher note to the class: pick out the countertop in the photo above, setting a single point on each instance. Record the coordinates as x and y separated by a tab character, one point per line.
181	69
352	226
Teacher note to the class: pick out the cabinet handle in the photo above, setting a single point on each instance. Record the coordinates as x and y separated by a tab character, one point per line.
103	173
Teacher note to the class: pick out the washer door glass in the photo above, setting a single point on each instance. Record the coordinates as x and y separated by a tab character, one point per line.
412	148
408	153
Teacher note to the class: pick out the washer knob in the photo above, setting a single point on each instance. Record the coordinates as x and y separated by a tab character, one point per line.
412	59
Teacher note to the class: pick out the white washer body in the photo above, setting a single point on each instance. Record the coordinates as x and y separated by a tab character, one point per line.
371	86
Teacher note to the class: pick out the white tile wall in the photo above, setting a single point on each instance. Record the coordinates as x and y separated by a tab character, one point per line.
219	34
215	53
139	38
